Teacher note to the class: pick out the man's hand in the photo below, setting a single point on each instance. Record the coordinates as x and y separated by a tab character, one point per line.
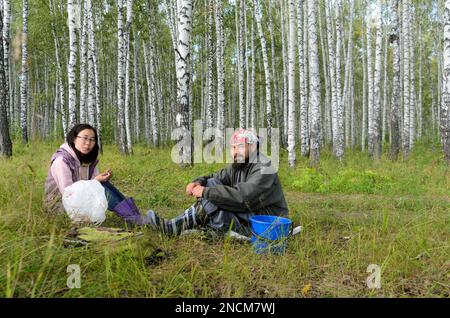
198	191
105	176
191	187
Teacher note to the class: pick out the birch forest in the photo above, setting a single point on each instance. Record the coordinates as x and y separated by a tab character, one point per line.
368	75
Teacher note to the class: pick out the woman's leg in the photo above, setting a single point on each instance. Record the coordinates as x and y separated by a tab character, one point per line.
113	195
122	206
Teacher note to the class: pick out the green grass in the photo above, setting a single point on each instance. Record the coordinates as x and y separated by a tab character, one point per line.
354	213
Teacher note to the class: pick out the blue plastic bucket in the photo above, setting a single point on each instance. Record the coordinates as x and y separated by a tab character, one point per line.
270	233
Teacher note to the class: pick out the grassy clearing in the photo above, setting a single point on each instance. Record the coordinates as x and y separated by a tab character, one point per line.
354	213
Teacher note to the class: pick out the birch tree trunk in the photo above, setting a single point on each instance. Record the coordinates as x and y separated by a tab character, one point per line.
83	65
347	86
258	17
385	88
332	67
150	75
314	84
412	98
241	62
364	97
370	80
277	101
184	78
24	75
375	133
339	146
406	78
304	130
90	101
252	80
95	108
137	127
6	60
420	101
220	70
210	62
59	107
291	73
247	52
283	111
5	139
121	56
71	67
326	74
127	76
445	123
306	68
396	97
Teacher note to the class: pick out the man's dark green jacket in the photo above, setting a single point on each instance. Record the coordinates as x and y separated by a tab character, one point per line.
255	189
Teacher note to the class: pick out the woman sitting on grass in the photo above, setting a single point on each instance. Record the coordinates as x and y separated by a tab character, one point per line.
77	160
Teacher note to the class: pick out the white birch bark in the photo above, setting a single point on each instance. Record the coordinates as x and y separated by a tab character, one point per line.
306	68
385	88
349	62
406	79
283	112
396	97
375	133
71	67
291	83
241	62
332	68
127	76
277	100
6	57
412	98
258	17
137	129
314	86
445	126
184	76
5	139
327	102
24	75
94	107
370	82
304	130
220	69
210	62
83	64
364	96
151	91
247	49
420	101
339	146
252	80
121	55
90	100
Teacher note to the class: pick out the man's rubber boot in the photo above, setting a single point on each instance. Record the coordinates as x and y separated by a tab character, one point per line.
191	218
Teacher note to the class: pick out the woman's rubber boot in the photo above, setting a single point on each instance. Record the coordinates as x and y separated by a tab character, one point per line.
128	211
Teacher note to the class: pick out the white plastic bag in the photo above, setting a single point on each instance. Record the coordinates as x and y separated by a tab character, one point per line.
85	201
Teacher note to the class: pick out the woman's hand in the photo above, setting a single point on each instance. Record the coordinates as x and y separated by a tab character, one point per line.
105	176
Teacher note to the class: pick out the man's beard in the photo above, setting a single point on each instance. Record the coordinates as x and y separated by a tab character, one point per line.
240	165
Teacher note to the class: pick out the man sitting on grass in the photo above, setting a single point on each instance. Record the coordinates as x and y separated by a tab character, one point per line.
228	198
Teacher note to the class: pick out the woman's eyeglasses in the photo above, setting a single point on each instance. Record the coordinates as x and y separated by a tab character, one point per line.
85	139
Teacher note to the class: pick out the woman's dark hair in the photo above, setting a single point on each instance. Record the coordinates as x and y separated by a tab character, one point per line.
73	133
